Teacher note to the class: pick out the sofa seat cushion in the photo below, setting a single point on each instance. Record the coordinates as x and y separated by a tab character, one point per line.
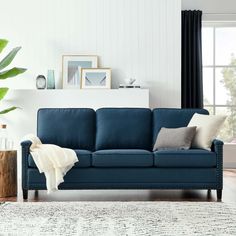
185	158
122	158
84	157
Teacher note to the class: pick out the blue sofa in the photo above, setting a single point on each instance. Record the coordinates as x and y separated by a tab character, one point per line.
114	146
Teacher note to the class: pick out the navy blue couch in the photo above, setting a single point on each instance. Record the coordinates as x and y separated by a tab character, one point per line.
114	146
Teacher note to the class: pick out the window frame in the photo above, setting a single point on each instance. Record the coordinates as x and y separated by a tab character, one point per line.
214	25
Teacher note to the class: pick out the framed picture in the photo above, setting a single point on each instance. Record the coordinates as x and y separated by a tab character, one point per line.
96	78
71	68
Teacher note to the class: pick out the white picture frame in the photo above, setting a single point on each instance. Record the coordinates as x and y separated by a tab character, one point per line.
71	69
99	78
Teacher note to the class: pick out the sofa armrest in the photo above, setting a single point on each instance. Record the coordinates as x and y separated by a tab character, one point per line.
26	144
25	150
216	144
217	147
25	147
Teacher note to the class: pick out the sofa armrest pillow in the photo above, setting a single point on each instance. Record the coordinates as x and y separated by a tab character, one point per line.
178	138
208	127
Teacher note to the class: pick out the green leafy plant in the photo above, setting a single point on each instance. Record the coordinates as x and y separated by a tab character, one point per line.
8	73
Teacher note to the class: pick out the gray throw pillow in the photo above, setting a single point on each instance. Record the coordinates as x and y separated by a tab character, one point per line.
179	138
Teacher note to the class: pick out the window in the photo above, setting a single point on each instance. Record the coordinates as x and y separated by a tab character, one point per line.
219	74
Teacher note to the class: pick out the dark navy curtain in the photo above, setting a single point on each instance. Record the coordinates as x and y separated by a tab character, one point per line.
191	67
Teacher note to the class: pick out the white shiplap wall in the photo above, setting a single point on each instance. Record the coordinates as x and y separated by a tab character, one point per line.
136	38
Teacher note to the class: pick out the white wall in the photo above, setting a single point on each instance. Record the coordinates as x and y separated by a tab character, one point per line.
136	38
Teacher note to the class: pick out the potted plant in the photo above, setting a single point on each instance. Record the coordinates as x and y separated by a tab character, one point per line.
8	73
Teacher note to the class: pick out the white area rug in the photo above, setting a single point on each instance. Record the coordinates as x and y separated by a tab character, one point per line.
118	218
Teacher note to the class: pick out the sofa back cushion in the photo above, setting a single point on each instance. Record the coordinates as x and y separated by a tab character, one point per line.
172	118
124	128
67	127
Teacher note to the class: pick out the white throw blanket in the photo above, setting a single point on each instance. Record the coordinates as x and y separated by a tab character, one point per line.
51	160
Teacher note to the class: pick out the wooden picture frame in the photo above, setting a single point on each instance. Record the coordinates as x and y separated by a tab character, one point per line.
71	69
99	78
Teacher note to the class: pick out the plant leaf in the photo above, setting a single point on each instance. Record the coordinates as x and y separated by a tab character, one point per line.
7	110
12	72
9	58
3	44
3	92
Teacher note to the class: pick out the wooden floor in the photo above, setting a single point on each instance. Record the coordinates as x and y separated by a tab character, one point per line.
229	194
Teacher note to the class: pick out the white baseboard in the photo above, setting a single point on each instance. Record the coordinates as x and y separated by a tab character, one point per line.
229	157
229	165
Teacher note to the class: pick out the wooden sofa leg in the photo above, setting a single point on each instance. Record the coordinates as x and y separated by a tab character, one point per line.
25	194
219	194
209	193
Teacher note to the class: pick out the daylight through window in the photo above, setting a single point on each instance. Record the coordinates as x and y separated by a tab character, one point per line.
219	74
